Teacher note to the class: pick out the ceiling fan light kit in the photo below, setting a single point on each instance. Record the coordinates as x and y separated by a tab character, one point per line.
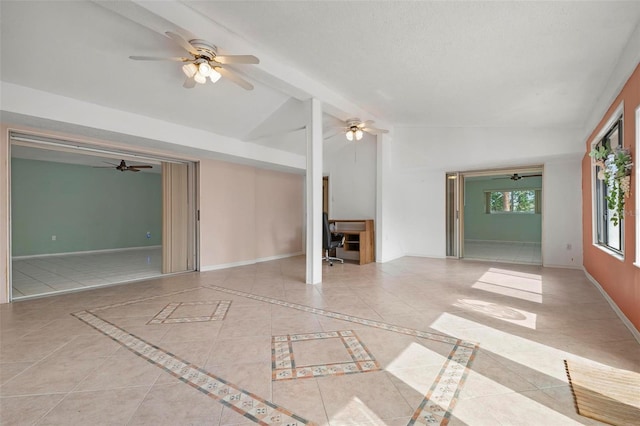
205	62
354	133
356	128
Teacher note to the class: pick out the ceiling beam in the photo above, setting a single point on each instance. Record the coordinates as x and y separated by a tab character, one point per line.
162	16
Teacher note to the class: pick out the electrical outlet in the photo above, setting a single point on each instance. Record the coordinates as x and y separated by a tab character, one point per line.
568	246
148	234
53	238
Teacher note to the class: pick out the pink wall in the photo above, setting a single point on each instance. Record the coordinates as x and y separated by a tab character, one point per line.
247	213
619	278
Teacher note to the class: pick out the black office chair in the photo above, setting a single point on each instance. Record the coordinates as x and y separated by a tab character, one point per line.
330	241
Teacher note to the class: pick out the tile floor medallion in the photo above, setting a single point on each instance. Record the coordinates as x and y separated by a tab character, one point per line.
438	404
284	363
247	404
435	408
181	312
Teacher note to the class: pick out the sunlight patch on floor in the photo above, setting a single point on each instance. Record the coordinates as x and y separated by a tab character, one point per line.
409	366
537	356
501	312
510	283
353	410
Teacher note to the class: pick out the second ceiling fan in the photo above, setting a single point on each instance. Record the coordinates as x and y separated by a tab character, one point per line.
516	176
355	128
204	62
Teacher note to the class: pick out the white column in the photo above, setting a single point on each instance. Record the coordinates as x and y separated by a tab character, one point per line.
314	192
380	157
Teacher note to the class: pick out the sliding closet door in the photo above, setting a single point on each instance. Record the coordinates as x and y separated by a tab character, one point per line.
175	218
454	224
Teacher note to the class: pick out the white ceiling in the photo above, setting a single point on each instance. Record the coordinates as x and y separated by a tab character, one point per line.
471	63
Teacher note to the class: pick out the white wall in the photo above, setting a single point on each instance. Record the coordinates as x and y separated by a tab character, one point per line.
562	213
351	167
420	157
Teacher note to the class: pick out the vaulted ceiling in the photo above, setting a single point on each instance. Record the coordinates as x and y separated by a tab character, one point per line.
462	64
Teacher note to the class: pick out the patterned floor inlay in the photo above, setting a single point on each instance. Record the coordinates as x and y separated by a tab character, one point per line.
436	407
247	404
371	323
216	312
285	368
438	404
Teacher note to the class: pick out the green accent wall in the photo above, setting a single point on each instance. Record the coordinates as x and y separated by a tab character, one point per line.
86	208
479	225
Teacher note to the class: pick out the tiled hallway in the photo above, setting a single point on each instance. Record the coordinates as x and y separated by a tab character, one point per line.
411	341
51	274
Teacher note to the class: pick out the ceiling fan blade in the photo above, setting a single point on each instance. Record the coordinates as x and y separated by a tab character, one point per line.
189	83
530	176
182	42
113	164
129	169
158	58
141	167
374	131
235	78
364	124
237	59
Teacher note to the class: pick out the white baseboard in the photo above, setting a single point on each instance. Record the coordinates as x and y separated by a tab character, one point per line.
615	308
429	256
501	241
71	253
551	265
247	262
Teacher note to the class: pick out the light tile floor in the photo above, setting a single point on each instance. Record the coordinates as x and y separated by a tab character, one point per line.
93	357
504	251
54	274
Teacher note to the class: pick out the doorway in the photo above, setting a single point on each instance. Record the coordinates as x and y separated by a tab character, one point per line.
85	216
495	215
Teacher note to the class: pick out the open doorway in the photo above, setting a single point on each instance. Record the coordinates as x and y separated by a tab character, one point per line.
495	215
83	217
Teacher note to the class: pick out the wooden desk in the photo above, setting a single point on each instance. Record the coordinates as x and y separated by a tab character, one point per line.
358	237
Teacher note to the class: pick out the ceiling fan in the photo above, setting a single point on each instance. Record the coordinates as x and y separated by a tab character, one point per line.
204	62
516	176
123	167
354	129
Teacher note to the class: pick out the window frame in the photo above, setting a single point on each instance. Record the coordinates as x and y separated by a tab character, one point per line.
599	211
537	207
637	183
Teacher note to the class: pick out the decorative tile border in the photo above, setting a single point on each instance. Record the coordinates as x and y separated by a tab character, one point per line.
283	361
436	407
438	404
246	403
371	323
142	299
219	312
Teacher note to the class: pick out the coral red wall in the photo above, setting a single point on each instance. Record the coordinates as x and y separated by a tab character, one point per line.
619	278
